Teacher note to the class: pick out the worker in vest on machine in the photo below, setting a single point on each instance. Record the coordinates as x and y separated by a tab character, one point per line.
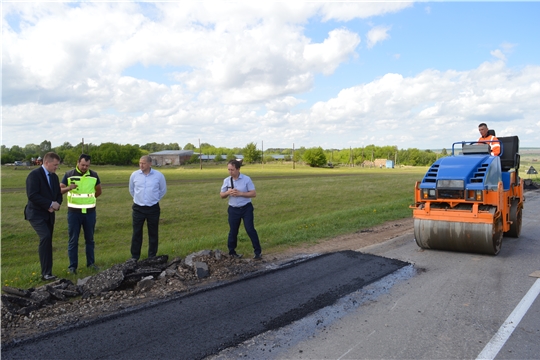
82	186
491	140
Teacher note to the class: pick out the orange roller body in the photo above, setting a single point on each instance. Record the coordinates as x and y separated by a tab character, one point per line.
469	201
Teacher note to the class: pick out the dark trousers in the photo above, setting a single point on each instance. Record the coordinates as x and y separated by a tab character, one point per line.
140	214
87	221
236	215
44	229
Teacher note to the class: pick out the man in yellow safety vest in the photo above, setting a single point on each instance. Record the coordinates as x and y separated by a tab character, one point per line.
82	186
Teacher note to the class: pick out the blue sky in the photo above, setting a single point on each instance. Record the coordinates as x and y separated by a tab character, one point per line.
336	75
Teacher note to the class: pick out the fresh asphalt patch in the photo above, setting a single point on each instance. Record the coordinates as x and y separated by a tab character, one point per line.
201	324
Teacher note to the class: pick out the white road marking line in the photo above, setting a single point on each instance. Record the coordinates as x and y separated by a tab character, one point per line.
499	339
354	347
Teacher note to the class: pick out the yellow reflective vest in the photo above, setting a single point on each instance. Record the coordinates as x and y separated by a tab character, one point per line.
84	195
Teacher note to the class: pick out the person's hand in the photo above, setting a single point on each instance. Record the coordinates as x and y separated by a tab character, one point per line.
55	206
233	192
72	186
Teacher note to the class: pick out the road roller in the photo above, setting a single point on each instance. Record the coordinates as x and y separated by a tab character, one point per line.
469	200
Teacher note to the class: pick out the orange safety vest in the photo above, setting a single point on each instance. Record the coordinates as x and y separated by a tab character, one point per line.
493	143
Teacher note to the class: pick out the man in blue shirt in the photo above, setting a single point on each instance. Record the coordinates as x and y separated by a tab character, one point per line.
240	189
147	186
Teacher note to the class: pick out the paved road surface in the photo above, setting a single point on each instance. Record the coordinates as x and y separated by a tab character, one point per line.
195	326
450	309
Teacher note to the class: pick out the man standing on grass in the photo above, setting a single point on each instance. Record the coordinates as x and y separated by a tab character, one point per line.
240	189
147	187
44	198
83	187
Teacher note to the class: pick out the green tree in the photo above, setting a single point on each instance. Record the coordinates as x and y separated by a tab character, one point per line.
298	154
189	146
7	158
31	150
71	156
230	156
44	147
251	154
314	157
17	153
194	159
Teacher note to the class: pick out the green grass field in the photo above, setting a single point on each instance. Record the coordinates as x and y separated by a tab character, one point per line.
293	206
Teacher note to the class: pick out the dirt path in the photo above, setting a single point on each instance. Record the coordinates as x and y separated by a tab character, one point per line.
355	241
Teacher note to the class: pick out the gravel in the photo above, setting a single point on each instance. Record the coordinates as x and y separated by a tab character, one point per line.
77	310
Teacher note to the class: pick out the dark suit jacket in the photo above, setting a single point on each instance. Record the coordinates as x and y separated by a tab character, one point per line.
41	195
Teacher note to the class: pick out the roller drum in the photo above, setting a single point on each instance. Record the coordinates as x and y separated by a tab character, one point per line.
459	236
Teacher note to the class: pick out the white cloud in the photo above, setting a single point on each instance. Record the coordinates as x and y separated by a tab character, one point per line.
362	10
498	54
508	47
241	72
337	48
283	105
377	34
433	102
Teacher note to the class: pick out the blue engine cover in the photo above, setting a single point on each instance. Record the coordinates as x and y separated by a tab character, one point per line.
478	172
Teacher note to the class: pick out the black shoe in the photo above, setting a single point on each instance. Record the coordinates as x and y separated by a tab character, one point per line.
236	256
72	271
48	277
257	257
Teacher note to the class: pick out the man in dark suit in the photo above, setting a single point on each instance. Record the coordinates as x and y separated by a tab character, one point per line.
44	198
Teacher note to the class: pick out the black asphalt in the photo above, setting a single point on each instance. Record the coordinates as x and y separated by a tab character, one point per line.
201	324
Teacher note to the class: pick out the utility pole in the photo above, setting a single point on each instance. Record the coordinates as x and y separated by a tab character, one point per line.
293	156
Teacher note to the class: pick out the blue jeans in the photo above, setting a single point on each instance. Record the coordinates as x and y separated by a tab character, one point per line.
87	221
236	214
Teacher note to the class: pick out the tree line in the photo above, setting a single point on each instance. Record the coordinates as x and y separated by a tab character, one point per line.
116	154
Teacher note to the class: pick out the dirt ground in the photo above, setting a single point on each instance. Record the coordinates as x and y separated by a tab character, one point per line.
71	313
356	240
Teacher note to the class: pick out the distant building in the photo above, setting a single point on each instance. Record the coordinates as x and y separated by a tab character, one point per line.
171	157
380	163
204	157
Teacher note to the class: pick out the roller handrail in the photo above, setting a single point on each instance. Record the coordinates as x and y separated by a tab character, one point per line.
477	142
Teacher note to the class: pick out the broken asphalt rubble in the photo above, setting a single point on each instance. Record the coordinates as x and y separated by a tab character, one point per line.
137	275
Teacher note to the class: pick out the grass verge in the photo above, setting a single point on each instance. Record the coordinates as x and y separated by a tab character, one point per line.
292	207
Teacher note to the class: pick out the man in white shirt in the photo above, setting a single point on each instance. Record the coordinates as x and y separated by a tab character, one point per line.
240	189
147	187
